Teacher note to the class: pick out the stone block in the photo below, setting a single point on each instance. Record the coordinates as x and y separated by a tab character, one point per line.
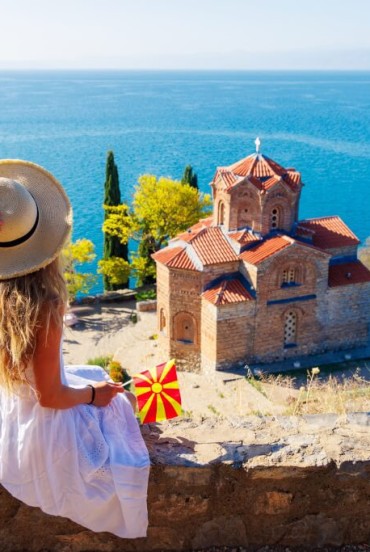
319	531
221	531
273	503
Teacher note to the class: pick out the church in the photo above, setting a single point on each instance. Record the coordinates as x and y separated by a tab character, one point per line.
254	284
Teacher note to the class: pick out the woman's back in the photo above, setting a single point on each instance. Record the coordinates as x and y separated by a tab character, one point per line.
69	439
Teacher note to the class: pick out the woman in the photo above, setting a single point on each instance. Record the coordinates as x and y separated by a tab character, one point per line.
69	439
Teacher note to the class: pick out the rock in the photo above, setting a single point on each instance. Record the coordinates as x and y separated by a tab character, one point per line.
221	531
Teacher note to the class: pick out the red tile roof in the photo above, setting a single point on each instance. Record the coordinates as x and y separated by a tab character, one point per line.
292	177
261	171
174	257
227	291
243	237
193	230
271	182
165	255
212	247
257	165
209	245
328	232
182	260
263	250
348	273
228	177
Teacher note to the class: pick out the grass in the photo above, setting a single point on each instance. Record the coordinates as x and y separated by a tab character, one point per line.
213	410
257	384
332	395
322	391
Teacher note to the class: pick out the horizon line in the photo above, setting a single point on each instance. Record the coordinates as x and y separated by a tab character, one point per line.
186	69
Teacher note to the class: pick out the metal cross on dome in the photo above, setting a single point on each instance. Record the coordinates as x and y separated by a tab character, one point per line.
258	144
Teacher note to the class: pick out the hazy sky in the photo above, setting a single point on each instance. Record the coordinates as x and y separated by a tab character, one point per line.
185	34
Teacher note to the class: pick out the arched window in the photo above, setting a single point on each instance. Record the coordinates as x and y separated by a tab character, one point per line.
275	218
221	213
184	327
289	276
162	322
290	328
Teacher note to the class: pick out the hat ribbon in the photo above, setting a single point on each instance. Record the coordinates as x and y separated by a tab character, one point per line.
23	238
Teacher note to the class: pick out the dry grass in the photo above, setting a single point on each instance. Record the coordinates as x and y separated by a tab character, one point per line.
319	395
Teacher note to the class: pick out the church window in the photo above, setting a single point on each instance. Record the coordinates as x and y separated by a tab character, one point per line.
184	327
275	218
290	328
289	276
162	322
221	213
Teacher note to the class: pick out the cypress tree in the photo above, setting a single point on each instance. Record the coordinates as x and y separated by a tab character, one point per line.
112	196
189	177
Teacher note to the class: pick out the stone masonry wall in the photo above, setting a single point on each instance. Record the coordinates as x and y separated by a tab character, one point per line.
348	315
163	307
345	251
235	332
208	336
274	301
184	297
249	482
285	202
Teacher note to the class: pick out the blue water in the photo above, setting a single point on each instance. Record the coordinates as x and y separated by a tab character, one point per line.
158	122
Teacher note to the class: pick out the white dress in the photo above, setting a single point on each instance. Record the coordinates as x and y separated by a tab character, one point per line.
85	463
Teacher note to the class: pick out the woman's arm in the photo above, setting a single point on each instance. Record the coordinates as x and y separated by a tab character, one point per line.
52	393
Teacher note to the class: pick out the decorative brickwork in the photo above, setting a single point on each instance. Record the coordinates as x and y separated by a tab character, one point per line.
252	283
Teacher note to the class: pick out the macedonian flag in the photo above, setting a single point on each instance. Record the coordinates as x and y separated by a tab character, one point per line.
158	393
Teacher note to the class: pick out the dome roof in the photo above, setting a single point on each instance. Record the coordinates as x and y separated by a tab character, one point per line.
261	171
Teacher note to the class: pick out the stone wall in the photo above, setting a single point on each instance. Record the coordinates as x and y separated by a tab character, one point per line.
347	326
227	334
243	482
306	299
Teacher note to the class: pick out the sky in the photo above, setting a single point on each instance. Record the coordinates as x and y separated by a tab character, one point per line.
185	34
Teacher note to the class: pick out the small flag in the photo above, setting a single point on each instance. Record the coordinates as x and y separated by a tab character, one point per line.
158	393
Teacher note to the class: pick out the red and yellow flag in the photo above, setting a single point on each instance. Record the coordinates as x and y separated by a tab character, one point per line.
158	393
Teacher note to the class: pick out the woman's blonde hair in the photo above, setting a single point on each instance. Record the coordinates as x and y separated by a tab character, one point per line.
23	302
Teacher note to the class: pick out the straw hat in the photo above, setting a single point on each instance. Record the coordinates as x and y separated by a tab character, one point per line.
35	218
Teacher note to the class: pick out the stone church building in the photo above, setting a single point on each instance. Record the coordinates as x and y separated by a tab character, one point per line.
253	283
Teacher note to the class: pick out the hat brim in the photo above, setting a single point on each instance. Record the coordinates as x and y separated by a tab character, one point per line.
54	225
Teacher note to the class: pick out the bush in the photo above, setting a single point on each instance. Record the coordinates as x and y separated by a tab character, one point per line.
101	361
145	295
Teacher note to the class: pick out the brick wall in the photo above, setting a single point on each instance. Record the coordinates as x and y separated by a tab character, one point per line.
184	289
227	333
347	315
306	300
245	206
348	251
215	271
163	307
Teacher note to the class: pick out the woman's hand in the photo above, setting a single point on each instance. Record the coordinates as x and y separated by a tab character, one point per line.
105	391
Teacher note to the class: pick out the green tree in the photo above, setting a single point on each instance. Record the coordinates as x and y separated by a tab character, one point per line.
115	251
161	209
74	255
190	177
